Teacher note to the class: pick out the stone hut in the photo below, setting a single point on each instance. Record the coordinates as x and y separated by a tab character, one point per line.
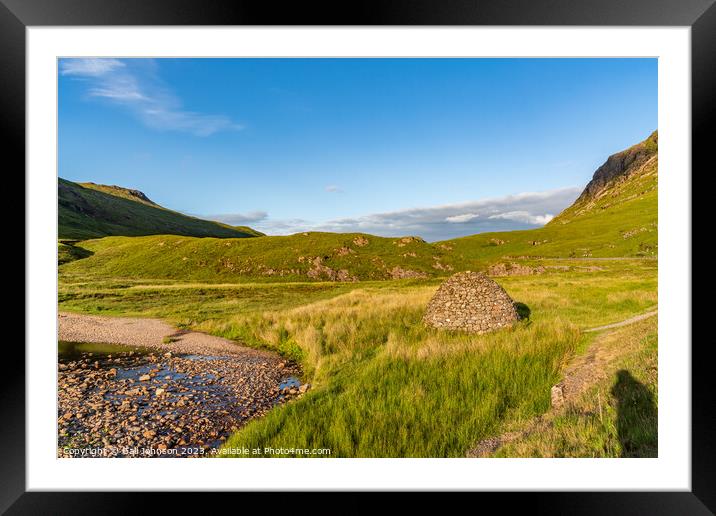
472	302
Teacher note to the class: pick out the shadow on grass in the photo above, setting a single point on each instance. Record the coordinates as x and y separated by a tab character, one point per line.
72	252
637	422
523	311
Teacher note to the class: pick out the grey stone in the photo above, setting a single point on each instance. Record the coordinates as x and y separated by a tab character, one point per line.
471	302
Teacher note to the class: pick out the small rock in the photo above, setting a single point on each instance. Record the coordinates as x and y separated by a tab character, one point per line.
557	396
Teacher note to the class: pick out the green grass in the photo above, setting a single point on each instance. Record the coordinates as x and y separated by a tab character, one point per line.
276	258
628	228
617	417
384	385
382	404
91	211
68	251
620	223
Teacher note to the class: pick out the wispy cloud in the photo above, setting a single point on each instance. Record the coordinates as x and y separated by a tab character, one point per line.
89	67
520	211
144	95
333	189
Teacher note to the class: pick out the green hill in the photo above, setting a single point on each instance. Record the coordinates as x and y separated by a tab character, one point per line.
88	210
616	216
312	256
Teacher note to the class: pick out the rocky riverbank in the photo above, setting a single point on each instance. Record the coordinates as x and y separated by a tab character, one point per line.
153	401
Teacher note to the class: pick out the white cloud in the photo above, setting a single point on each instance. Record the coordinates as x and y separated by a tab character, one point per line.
144	94
334	189
523	216
464	217
520	211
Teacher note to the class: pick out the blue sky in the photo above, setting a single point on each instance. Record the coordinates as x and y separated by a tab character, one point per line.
434	147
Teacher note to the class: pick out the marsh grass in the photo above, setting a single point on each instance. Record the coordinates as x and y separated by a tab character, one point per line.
385	386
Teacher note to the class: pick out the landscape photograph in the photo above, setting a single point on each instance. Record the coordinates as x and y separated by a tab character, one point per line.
357	258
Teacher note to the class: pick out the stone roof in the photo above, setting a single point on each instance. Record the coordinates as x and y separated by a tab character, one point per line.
472	302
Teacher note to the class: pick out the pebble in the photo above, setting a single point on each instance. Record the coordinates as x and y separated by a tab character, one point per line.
198	403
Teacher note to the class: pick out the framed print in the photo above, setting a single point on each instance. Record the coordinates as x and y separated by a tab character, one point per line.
422	248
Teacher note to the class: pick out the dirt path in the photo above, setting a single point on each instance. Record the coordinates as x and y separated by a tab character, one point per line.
135	331
584	371
631	320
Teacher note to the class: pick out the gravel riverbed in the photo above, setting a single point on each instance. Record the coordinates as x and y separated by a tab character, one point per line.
148	397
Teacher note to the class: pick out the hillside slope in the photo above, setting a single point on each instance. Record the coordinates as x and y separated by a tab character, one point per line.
88	210
616	215
299	257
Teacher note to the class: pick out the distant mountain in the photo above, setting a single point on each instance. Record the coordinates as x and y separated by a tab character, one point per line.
88	210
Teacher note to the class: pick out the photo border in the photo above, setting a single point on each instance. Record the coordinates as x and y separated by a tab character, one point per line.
16	15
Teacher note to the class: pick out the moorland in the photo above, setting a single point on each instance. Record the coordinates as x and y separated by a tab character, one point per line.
346	309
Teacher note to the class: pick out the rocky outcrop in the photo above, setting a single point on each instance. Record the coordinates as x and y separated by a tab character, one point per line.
400	273
472	302
514	269
318	271
620	165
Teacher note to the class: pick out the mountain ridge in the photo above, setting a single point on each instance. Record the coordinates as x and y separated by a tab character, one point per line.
89	210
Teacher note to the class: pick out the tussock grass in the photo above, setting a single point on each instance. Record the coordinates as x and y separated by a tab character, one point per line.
382	383
412	408
617	417
385	386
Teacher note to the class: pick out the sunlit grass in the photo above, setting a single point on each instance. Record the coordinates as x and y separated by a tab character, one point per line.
617	417
382	383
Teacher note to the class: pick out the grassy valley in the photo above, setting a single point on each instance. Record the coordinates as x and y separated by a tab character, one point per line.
618	221
348	309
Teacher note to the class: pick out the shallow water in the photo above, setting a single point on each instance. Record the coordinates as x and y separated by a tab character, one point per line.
103	386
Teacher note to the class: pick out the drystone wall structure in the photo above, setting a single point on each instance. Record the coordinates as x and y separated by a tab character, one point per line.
471	302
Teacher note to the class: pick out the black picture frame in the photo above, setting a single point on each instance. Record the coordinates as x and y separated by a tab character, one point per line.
700	15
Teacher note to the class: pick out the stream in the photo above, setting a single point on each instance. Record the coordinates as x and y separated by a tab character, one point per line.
126	401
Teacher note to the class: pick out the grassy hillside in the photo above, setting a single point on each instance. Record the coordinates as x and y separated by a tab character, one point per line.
90	211
616	215
312	256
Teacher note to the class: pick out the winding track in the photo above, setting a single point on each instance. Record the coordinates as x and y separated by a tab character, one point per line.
584	371
625	322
